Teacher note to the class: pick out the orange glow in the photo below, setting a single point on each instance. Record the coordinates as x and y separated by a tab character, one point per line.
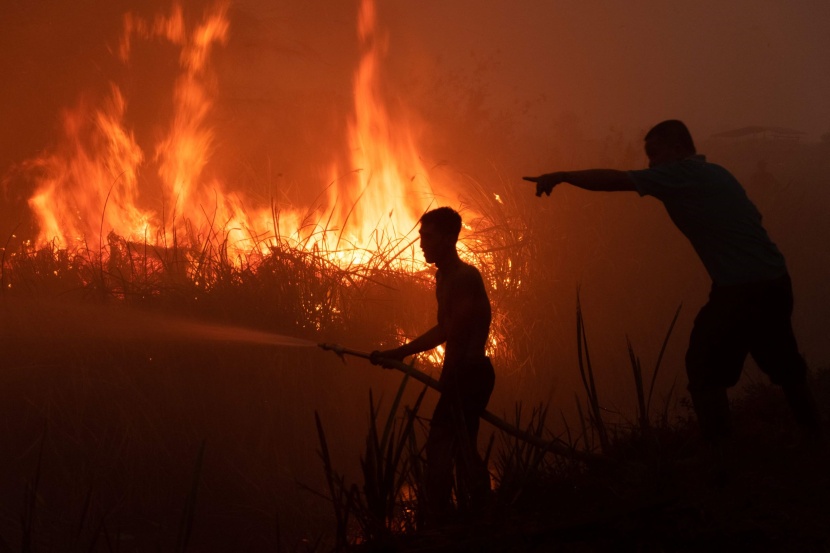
91	182
94	186
389	191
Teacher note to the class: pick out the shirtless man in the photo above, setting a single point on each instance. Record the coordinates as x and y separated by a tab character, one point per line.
467	376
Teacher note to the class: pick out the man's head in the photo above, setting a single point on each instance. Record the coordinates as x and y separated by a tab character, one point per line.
669	141
439	233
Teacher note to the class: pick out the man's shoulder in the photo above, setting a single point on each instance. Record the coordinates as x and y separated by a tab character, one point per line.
463	272
470	269
689	173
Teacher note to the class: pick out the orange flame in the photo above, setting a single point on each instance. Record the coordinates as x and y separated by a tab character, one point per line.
95	167
389	190
91	186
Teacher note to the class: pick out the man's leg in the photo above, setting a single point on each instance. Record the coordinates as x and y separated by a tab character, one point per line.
713	416
775	349
804	408
714	361
440	450
470	467
471	471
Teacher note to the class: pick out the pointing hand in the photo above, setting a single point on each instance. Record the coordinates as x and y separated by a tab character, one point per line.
546	182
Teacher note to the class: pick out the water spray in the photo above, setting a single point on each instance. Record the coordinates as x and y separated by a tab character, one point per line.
78	322
555	446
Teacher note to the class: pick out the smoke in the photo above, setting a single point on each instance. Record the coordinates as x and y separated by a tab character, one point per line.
65	323
285	74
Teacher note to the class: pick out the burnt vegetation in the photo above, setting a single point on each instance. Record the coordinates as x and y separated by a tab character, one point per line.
117	438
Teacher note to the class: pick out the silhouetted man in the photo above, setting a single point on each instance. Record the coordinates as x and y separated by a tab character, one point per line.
751	300
467	377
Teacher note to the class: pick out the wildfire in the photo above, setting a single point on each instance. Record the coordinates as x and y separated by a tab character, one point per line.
390	192
94	186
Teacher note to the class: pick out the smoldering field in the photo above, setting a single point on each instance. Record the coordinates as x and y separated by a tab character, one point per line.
107	399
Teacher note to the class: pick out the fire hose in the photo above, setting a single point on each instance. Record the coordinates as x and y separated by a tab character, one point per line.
555	446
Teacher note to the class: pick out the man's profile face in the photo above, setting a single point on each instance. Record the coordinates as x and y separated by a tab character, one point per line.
433	243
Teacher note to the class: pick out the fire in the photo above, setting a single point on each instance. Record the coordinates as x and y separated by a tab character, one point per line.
386	196
91	181
100	182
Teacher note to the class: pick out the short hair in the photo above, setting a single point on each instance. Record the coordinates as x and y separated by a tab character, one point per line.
446	220
672	133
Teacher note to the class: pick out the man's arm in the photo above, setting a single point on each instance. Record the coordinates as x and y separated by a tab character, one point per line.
430	339
467	306
598	180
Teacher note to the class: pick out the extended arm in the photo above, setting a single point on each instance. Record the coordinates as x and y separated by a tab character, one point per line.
430	339
599	180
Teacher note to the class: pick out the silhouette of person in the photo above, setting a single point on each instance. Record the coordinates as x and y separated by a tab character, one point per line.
750	304
467	376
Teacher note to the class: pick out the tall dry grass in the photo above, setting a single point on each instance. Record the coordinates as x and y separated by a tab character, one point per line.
125	419
112	403
126	414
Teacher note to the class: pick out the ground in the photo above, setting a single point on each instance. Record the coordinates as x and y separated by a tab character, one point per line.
665	492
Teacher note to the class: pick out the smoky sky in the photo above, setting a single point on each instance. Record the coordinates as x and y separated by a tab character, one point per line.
716	65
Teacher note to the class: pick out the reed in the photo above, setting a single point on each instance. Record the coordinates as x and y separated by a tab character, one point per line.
643	398
388	500
341	494
189	510
520	463
586	372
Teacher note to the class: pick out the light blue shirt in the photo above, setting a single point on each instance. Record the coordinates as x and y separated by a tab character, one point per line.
711	208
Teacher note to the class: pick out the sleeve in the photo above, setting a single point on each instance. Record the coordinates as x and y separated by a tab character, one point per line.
660	182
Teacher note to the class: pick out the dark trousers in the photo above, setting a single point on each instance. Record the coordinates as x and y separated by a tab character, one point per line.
453	435
754	319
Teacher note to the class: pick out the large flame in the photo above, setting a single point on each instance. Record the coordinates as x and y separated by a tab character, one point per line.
389	190
94	184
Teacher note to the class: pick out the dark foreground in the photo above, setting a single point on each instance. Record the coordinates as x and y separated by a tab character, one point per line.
663	493
115	445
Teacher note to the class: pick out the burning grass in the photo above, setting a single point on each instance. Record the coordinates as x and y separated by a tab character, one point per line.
125	439
128	434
